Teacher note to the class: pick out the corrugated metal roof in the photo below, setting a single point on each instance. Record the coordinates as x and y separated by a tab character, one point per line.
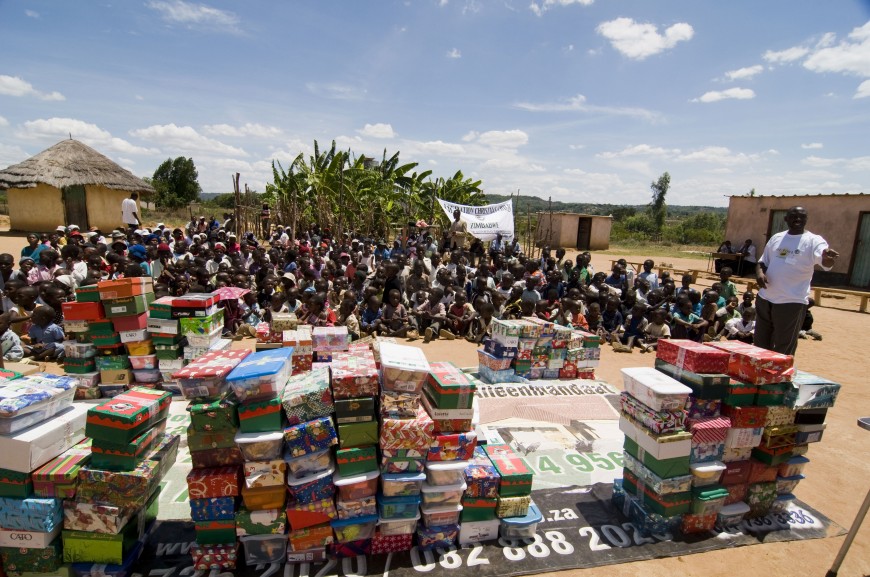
794	195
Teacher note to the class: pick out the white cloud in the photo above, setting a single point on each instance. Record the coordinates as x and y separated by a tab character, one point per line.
185	139
247	129
858	163
54	129
640	150
31	13
454	53
441	148
379	130
718	155
851	56
510	139
14	86
10	155
731	93
638	40
578	104
336	91
540	7
3	121
744	73
443	2
863	90
785	56
192	15
812	146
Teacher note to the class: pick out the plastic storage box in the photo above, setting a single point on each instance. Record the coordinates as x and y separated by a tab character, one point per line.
704	474
398	507
264	549
402	484
438	516
312	488
793	466
389	527
307	465
442	495
446	472
347	530
731	515
357	486
521	527
260	446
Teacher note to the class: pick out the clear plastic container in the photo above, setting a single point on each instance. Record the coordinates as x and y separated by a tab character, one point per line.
108	392
147	376
478	531
443	537
390	527
354	529
794	466
264	549
143	362
731	515
445	472
406	507
438	516
521	527
704	474
780	505
37	412
356	507
357	486
787	484
442	495
260	446
312	488
307	465
402	484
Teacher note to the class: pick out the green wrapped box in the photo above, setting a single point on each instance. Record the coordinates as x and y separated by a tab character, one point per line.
202	325
522	366
449	387
772	457
265	522
356	460
17	561
704	386
358	410
110	456
86	547
88	294
740	394
668	505
478	509
79	366
112	362
664	468
772	394
204	440
125	417
219	415
215	532
101	327
357	435
260	416
164	340
15	484
127	306
107	340
168	352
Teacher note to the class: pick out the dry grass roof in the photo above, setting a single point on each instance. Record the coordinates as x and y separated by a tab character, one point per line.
68	163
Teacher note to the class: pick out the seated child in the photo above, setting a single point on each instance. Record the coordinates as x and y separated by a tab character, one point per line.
10	344
46	338
394	318
742	328
431	316
593	317
370	319
611	320
347	318
686	324
635	326
459	315
748	298
723	315
657	329
481	324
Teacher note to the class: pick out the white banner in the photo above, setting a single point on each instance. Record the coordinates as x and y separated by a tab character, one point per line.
484	222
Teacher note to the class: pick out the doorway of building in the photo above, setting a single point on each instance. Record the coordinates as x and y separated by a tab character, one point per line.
776	224
584	232
75	206
860	269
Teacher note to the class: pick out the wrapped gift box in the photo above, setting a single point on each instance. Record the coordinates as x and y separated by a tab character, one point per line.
216	458
358	410
78	366
745	437
127	416
310	437
202	325
779	415
213	416
357	460
704	386
453	447
709	430
662	486
300	340
311	537
779	436
417	433
31	514
448	420
382	544
399	405
403	368
707	452
88	294
135	323
125	456
125	287
217	508
271	473
513	506
204	440
263	498
481	477
760	497
476	509
647	522
809	434
745	417
17	561
657	422
498	350
127	306
16	484
731	454
330	339
755	365
118	488
83	311
303	515
656	390
516	477
95	518
449	387
761	472
692	356
307	396
214	557
669	446
505	332
699	408
772	456
263	522
772	394
215	482
693	524
206	376
352	435
736	472
262	375
260	416
665	505
740	394
809	391
354	375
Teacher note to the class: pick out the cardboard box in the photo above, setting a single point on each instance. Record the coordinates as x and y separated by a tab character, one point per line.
745	417
661	447
809	391
260	416
35	446
15	484
416	434
704	386
215	532
88	294
311	537
354	375
217	508
665	505
202	325
163	326
452	447
217	415
403	368
310	437
265	473
204	440
661	485
755	365
28	539
214	557
263	522
116	377
357	410
399	405
357	460
131	323
125	287
654	389
357	434
17	561
83	311
215	482
657	422
95	518
125	456
478	509
481	477
127	306
307	396
303	515
516	477
214	458
692	356
126	416
449	387
31	514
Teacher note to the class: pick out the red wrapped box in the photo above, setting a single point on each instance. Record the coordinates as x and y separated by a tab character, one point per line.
125	287
693	523
351	548
354	375
708	429
213	364
692	356
755	365
736	493
212	458
745	417
761	472
417	433
83	311
456	447
736	473
303	515
130	323
195	300
311	537
214	482
207	557
391	543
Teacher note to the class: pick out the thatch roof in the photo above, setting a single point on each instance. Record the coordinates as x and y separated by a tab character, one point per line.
67	163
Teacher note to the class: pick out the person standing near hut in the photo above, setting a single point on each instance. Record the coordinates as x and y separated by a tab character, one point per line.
130	213
458	232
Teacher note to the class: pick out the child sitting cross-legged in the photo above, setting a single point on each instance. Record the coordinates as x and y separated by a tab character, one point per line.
9	341
459	315
656	330
46	338
394	318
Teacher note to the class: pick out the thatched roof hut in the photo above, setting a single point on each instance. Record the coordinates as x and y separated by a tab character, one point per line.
69	183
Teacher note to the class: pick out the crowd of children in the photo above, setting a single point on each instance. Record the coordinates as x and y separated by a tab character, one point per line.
418	289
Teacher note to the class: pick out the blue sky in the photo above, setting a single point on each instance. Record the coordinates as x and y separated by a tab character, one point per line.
581	100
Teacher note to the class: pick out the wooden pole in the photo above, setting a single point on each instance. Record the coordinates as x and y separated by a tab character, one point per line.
238	195
550	223
340	201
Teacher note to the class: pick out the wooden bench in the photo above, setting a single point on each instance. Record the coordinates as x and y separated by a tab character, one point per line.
638	266
817	295
677	274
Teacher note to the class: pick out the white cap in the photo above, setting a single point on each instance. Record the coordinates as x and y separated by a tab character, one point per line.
60	228
73	227
160	225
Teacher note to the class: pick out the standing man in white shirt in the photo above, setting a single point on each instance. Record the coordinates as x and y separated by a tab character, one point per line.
130	213
783	274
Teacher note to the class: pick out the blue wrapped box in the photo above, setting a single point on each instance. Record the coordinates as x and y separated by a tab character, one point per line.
262	375
34	514
213	509
646	522
498	350
310	437
809	391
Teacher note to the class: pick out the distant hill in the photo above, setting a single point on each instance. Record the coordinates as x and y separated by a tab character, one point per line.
536	204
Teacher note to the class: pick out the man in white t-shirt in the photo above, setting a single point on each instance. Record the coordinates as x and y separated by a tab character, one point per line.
783	274
130	212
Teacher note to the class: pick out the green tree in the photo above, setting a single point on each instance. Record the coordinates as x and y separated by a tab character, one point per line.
658	210
176	182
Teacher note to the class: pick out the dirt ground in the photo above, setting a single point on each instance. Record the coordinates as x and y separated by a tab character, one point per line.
837	478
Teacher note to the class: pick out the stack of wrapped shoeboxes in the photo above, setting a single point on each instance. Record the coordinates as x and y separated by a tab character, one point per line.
214	482
116	499
303	352
532	348
655	492
37	424
83	319
126	355
271	334
257	382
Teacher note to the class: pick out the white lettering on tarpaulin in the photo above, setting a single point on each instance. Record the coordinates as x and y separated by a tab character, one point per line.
484	222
